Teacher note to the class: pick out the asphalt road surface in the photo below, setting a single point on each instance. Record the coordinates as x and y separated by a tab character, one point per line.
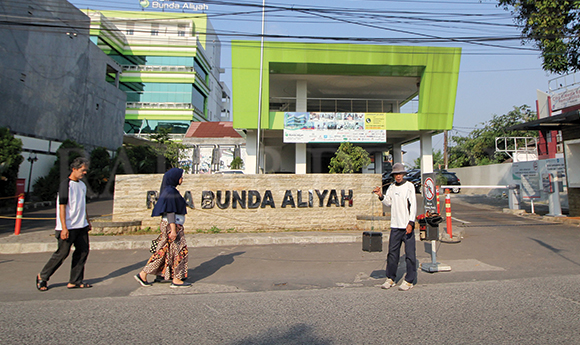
513	281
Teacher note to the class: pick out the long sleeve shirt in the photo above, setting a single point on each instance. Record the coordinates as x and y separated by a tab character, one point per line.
403	204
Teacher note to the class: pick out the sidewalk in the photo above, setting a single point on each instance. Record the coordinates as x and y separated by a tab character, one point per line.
44	241
39	236
41	239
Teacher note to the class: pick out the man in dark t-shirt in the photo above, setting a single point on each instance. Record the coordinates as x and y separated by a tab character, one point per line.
72	227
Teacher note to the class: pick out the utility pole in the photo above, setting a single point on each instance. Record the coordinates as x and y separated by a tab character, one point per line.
259	130
445	149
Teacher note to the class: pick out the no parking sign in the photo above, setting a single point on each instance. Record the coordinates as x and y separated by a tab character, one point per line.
429	192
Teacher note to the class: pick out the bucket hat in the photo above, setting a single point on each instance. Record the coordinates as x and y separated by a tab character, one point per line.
398	168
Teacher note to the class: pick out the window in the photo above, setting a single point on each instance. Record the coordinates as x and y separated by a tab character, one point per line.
202	74
181	30
130	29
154	29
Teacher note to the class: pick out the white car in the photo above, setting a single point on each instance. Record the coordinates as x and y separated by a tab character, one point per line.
229	172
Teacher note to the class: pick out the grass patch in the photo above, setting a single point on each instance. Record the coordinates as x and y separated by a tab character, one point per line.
147	231
214	230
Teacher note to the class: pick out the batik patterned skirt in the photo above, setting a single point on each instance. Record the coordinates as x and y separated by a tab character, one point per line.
170	258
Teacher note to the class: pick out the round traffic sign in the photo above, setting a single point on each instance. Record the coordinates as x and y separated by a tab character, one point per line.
429	188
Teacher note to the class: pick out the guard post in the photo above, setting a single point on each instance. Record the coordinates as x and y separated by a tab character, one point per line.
19	209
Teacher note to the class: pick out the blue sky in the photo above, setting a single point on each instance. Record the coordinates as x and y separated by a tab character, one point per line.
497	72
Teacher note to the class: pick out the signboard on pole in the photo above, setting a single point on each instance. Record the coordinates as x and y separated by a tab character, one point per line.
429	192
527	174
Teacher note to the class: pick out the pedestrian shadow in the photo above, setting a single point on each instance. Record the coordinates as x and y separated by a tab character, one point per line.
401	270
378	274
117	273
554	250
297	334
210	267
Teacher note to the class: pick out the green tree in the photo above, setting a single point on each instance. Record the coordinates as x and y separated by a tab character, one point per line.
172	151
142	160
553	26
349	159
237	163
100	170
162	135
10	159
46	187
478	147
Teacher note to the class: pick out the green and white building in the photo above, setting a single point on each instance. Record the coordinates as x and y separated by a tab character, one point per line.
315	84
170	67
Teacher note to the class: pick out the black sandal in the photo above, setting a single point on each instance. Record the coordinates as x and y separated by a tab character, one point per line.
41	285
80	286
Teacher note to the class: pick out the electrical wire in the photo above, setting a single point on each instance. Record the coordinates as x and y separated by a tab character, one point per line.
357	13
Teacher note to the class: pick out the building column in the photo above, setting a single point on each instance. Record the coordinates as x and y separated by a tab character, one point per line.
250	163
397	153
426	153
301	99
300	158
378	162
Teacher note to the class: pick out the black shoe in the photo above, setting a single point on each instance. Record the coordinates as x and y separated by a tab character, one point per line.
160	279
182	285
141	281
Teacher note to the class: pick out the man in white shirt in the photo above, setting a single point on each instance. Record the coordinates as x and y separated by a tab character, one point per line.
72	227
401	198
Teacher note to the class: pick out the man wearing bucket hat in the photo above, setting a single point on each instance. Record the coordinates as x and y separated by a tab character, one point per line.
401	198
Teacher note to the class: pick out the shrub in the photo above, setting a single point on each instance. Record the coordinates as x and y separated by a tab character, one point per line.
10	160
46	187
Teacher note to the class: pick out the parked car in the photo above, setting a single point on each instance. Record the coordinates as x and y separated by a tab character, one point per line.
443	178
448	178
229	172
413	176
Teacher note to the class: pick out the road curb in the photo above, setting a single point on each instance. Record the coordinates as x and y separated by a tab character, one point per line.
199	242
192	242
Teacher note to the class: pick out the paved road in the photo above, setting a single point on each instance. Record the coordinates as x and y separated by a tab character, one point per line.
514	282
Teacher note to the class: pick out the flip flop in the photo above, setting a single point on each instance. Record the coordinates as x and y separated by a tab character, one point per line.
41	285
80	286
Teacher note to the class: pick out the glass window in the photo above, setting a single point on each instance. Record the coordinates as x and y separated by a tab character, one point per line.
202	74
169	61
130	29
166	93
181	30
198	99
154	29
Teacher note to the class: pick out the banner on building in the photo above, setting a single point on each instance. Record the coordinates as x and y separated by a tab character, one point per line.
565	99
334	127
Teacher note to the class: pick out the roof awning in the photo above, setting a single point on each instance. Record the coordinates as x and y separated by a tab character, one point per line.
551	123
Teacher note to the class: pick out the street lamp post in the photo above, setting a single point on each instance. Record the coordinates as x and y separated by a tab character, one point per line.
259	131
31	158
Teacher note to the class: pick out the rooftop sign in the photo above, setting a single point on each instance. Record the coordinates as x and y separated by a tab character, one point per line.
172	5
565	99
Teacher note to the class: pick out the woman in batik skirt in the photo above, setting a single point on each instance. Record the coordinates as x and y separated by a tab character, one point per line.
169	261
